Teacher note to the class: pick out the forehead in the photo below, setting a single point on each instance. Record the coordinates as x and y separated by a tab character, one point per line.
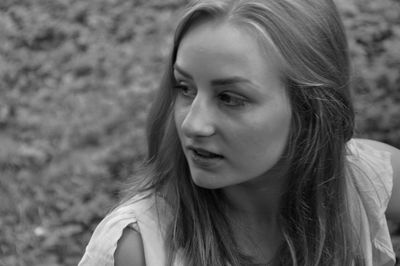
223	49
218	38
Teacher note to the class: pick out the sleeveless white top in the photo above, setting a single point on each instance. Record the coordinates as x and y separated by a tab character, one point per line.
371	185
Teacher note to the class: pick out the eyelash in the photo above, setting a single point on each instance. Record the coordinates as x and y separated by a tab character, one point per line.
181	90
232	101
237	100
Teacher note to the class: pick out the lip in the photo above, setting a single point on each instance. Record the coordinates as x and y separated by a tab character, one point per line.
197	148
200	161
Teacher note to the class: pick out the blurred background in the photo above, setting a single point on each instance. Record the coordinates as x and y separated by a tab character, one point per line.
76	80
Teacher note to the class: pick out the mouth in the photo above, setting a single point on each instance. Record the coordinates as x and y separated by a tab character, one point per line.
204	154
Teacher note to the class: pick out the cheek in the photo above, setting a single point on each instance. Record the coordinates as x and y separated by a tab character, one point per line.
269	137
177	125
179	116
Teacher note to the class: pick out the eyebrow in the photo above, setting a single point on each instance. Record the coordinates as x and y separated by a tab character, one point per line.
216	82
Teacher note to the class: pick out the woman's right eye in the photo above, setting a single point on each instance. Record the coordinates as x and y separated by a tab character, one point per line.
186	90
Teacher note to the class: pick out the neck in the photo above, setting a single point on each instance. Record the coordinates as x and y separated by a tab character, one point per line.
253	212
255	204
258	199
254	219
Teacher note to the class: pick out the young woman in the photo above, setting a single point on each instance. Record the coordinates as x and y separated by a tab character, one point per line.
251	159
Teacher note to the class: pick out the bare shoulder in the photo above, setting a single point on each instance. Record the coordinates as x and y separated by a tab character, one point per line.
393	209
129	250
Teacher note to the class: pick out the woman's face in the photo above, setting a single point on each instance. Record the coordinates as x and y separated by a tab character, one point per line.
231	112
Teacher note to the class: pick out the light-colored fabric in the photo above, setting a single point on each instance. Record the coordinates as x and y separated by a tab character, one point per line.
146	215
372	180
370	184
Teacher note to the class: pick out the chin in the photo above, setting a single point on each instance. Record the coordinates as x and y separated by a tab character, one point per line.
205	182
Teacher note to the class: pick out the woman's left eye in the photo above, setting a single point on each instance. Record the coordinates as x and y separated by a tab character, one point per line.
232	100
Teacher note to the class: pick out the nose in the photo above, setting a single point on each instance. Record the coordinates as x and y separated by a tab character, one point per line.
199	121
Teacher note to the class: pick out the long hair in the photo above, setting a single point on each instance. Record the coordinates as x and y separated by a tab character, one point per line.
308	38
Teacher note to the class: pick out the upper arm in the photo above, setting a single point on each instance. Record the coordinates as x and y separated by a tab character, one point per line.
393	208
129	250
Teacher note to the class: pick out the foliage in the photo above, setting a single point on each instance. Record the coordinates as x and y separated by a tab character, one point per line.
76	79
374	37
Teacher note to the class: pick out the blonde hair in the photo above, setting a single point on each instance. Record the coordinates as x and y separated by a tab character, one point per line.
308	38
